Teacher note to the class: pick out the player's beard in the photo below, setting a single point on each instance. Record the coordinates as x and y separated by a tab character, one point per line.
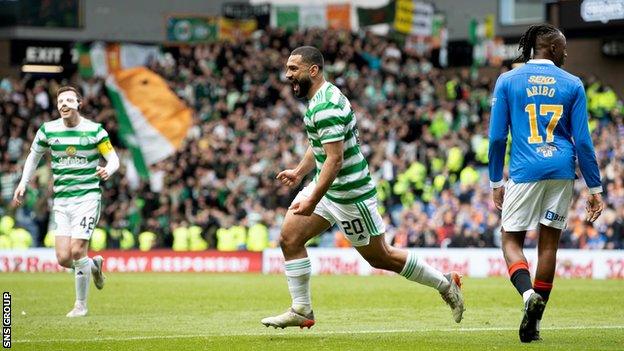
304	84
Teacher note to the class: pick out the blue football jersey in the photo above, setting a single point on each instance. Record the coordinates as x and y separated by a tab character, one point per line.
546	110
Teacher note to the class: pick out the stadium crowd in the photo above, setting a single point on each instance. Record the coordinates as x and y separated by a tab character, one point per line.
423	131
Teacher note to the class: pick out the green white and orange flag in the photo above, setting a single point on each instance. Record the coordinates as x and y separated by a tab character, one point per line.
153	121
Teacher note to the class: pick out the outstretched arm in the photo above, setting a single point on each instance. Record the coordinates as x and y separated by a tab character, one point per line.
307	164
30	166
37	149
29	169
329	171
292	177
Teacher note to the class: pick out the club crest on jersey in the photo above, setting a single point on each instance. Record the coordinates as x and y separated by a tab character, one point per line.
70	151
546	150
84	141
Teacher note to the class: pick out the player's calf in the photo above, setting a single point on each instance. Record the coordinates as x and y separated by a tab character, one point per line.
521	279
384	262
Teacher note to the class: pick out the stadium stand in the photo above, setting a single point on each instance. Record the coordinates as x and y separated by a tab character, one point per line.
423	130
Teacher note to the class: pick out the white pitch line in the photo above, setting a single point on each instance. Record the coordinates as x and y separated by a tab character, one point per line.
312	333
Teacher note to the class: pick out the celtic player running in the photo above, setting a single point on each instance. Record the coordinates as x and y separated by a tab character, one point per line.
75	144
342	192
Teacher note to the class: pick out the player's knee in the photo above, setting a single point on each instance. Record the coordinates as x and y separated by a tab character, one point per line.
77	252
64	259
289	241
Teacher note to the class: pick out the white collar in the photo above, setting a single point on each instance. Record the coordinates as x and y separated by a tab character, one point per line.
541	61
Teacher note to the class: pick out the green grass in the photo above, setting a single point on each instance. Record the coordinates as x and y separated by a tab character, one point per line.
208	311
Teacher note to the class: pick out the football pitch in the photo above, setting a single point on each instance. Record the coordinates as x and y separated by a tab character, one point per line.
188	311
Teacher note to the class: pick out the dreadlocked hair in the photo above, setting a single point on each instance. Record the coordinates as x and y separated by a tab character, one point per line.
529	39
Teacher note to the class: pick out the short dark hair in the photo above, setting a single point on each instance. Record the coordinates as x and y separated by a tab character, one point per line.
310	55
529	38
69	88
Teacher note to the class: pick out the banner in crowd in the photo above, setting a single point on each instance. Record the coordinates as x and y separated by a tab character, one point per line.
191	29
99	59
234	29
286	17
479	263
188	261
85	68
312	16
44	260
243	11
480	30
413	17
494	52
30	260
339	16
333	16
153	121
488	49
370	16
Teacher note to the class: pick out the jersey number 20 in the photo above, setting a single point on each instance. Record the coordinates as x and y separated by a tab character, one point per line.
544	110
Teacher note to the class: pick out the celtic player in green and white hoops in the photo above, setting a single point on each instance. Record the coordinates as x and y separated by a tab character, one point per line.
342	192
76	144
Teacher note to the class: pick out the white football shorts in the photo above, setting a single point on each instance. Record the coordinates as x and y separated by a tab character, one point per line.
358	221
77	220
526	205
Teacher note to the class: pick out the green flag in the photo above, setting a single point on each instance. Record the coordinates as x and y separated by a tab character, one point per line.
127	133
153	121
85	69
370	16
472	31
287	17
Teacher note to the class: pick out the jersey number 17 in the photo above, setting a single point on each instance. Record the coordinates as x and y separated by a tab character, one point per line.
544	110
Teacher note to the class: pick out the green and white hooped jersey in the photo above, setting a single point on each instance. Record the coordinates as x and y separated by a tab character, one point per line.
329	118
75	155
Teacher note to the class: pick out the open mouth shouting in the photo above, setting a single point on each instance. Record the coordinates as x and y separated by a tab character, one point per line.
301	86
295	86
66	112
